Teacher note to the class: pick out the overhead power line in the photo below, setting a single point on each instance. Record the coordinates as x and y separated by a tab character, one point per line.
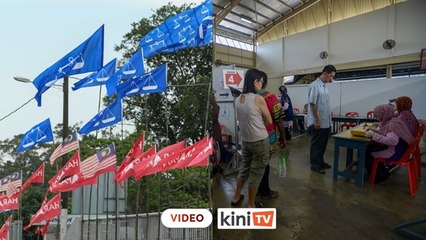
14	111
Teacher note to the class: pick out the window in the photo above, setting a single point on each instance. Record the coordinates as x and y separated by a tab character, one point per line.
234	43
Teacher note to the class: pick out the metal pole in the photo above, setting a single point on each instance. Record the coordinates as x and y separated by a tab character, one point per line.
64	195
81	211
107	203
89	213
97	209
138	192
125	208
207	109
159	205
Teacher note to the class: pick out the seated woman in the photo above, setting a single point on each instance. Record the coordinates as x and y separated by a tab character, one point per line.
403	106
389	141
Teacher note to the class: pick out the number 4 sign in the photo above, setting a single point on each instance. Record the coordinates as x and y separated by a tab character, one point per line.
233	78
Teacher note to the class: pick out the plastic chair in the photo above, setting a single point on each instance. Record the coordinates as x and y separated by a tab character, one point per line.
225	136
296	110
349	124
370	114
407	160
417	156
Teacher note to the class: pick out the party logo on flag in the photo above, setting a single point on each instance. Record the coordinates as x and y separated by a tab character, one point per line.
97	78
108	116
87	57
40	133
190	28
133	67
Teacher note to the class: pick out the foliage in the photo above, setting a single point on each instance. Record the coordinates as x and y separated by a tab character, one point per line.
180	113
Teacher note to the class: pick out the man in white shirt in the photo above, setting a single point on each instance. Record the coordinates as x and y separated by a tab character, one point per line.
319	118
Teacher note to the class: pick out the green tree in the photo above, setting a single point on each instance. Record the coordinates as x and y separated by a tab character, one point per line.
179	113
166	118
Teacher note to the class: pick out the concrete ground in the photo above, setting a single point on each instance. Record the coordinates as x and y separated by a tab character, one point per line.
313	206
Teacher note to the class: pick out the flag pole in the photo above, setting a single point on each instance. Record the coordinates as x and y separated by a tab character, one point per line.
107	202
125	207
147	209
90	198
116	190
184	190
90	212
97	208
159	204
138	192
81	211
64	195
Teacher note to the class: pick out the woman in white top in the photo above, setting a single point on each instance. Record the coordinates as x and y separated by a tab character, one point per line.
252	115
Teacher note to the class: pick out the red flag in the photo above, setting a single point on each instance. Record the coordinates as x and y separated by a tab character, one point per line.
45	227
185	156
202	158
102	162
7	203
70	168
129	170
4	230
151	166
73	182
47	211
37	177
135	151
70	143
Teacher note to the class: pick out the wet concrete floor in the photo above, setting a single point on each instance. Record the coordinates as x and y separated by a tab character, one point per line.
313	206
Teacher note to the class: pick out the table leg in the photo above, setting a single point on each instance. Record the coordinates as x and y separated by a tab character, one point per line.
336	159
349	156
361	166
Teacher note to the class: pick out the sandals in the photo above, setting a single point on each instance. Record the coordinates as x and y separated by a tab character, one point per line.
239	200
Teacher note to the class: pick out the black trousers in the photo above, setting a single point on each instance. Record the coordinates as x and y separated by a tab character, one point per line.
318	145
263	188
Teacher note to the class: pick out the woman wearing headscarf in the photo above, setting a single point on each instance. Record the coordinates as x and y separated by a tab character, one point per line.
403	106
389	141
288	111
253	115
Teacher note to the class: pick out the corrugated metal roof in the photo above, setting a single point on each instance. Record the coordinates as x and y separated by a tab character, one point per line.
267	20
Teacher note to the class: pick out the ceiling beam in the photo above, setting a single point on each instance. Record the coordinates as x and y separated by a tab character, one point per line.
285	17
268	7
251	10
239	24
247	18
222	14
285	4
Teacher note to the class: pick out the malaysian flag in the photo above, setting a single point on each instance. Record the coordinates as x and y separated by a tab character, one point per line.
11	189
14	178
69	144
102	162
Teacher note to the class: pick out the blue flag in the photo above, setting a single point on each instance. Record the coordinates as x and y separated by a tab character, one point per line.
97	78
87	57
108	116
190	28
152	82
40	133
133	67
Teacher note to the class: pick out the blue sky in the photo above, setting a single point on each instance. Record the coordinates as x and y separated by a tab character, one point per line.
37	33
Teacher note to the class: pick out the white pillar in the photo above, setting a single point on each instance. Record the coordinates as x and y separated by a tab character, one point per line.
63	223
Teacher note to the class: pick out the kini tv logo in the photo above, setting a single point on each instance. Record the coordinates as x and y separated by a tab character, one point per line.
186	218
246	218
